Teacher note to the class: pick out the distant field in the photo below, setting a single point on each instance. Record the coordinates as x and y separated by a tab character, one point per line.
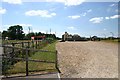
112	41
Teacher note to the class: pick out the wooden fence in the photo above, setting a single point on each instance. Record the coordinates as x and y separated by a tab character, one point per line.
25	47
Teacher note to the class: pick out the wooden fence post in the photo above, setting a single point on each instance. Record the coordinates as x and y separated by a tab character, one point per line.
56	62
12	54
32	43
22	45
36	44
56	59
22	49
4	50
28	44
27	62
28	47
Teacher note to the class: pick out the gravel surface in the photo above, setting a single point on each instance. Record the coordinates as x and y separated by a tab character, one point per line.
88	59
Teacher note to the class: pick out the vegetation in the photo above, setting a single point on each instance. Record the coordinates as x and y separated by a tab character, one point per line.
16	33
112	40
19	67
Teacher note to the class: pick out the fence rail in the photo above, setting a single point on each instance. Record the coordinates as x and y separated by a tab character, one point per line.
16	50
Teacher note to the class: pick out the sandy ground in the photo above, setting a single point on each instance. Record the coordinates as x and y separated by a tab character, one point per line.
88	59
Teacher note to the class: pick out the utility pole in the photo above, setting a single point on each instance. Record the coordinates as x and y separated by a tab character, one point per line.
90	38
28	29
112	34
50	30
104	35
46	32
55	32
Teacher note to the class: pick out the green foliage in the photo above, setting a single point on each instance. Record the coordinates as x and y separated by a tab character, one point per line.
5	65
16	32
29	35
19	66
4	34
112	40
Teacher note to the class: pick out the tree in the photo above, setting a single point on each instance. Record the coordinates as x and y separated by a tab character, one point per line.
16	32
29	35
4	34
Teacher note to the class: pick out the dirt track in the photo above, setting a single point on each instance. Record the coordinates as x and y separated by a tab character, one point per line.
88	59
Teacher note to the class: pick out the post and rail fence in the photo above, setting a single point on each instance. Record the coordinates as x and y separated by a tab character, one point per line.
11	52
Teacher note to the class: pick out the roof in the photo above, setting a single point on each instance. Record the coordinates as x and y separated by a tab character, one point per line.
38	36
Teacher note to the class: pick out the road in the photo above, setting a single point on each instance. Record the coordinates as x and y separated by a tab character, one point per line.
53	76
88	59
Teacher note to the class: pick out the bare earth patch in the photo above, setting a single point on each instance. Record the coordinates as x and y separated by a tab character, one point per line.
88	59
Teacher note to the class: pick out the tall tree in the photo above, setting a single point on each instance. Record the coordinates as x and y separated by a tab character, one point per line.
29	35
4	34
16	32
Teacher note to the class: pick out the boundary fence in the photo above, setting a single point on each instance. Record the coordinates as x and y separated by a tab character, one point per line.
26	47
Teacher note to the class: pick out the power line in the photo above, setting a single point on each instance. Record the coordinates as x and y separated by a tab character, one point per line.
28	29
50	30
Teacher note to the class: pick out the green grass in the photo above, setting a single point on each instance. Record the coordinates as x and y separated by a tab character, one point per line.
50	47
112	41
11	41
19	67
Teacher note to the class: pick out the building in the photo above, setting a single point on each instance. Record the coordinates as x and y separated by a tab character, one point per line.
65	36
75	37
95	38
38	37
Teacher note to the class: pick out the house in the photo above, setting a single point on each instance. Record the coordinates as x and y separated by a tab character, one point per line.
38	37
65	36
75	37
95	38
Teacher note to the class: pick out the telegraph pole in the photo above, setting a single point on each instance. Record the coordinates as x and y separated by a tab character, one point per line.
104	35
112	34
28	30
50	30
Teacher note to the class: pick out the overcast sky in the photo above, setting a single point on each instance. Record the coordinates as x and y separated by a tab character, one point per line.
74	16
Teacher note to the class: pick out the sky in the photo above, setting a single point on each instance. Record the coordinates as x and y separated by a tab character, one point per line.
58	16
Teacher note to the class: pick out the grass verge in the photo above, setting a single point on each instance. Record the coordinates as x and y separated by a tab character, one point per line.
19	67
112	41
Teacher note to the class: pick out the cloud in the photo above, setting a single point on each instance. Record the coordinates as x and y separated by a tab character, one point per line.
89	10
13	1
52	9
96	19
41	13
116	10
104	29
68	2
73	2
112	5
2	11
84	14
71	28
113	17
74	17
107	18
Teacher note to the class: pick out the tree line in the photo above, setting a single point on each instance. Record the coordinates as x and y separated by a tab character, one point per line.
16	33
